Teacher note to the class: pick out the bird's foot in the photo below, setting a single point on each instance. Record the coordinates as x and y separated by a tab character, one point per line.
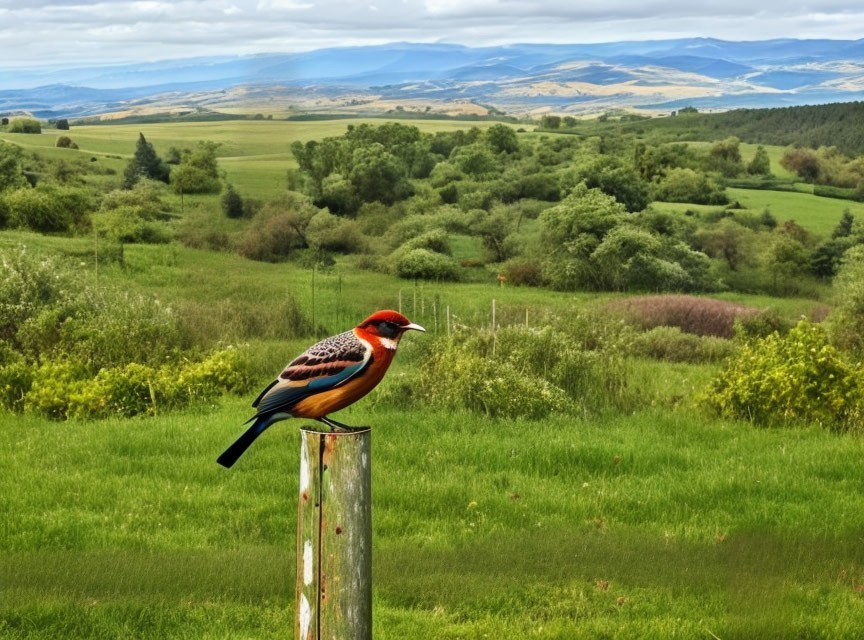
338	427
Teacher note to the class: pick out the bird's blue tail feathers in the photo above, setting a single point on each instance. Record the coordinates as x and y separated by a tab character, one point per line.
232	453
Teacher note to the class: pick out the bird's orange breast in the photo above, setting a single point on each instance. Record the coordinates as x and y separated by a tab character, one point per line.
326	402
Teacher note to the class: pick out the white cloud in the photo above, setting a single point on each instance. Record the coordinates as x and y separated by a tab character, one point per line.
45	31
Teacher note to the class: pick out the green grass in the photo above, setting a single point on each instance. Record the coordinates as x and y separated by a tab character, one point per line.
815	213
657	524
255	154
632	526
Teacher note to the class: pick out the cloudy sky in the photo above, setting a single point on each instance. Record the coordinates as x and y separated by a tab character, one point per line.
67	32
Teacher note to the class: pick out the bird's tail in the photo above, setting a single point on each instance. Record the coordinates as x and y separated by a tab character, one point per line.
229	457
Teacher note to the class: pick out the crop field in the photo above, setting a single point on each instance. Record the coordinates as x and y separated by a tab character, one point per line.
650	520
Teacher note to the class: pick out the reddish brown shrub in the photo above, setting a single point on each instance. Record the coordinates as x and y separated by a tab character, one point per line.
701	316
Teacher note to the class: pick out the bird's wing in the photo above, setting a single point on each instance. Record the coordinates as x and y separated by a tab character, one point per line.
323	366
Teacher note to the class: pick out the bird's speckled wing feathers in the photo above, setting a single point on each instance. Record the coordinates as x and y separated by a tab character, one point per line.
324	365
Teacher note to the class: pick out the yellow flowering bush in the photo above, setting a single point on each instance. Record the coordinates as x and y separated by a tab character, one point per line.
799	378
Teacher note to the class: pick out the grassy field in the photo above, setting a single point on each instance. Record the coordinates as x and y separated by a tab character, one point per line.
654	524
659	522
815	213
650	525
255	154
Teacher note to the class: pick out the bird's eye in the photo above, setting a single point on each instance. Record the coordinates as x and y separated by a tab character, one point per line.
388	329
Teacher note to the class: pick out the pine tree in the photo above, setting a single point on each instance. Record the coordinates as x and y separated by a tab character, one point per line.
144	164
232	203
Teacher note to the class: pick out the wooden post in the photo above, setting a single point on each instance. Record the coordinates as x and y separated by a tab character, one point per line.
334	536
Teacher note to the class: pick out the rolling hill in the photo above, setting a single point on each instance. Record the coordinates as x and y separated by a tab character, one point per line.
520	80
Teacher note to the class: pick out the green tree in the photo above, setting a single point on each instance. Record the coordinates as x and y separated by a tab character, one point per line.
760	165
145	163
25	125
502	138
571	232
844	227
847	320
727	241
688	185
65	142
725	157
619	181
550	122
11	168
198	171
232	203
376	174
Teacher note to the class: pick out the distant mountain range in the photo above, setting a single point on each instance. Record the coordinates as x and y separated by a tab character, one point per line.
524	79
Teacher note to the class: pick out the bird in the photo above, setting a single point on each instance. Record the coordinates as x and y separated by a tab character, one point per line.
327	377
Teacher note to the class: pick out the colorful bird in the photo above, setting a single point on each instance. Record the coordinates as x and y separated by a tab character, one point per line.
329	376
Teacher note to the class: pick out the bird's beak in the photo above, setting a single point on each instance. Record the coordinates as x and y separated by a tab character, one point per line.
416	327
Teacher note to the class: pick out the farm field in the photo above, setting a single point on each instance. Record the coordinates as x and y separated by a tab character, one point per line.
651	519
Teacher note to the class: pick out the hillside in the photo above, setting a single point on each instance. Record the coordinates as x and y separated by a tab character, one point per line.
520	80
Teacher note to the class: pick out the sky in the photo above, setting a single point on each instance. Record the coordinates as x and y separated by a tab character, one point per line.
62	33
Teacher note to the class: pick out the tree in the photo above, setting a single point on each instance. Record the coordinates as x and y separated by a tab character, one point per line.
550	122
232	203
621	182
725	157
145	163
65	142
198	171
687	185
760	165
493	230
25	125
11	169
728	241
502	139
62	124
572	230
844	227
804	162
376	174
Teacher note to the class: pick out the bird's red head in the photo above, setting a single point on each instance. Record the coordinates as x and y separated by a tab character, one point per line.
388	324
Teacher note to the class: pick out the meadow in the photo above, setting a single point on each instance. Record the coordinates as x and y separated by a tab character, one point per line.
658	521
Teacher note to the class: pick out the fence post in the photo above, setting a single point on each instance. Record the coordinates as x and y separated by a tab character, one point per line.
334	536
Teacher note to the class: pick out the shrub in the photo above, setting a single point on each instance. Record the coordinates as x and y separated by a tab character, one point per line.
702	316
788	380
232	203
522	372
847	321
426	265
524	272
16	378
458	379
25	125
327	232
65	142
38	210
29	283
672	344
63	388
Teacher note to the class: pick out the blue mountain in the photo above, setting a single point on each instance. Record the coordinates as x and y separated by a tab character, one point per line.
747	72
